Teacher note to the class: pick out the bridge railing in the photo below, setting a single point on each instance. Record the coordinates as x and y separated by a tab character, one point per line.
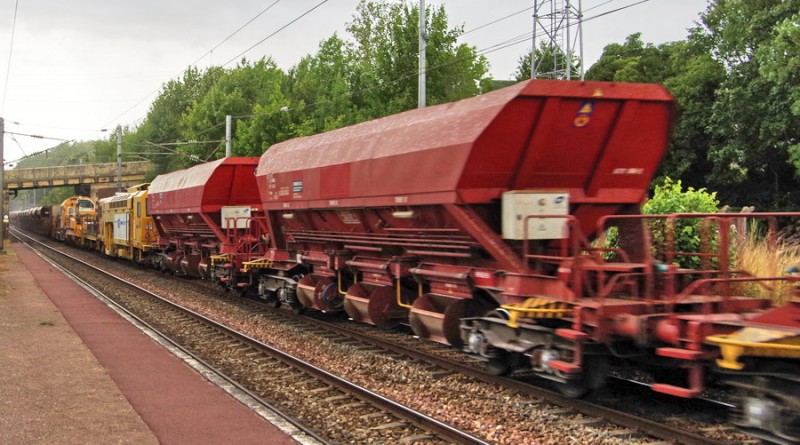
73	174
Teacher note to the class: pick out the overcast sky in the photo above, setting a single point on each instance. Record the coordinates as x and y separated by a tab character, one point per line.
79	66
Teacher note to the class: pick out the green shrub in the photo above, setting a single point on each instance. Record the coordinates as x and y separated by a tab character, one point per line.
687	233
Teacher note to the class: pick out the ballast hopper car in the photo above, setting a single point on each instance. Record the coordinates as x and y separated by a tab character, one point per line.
422	216
200	214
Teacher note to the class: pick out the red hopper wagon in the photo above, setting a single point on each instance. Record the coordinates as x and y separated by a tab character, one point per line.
402	217
201	214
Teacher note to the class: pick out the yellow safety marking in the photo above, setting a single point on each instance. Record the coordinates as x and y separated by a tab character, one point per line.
536	308
755	342
219	259
759	335
261	263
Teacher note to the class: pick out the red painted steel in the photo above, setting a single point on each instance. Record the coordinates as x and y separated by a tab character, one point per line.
205	188
598	141
424	186
186	206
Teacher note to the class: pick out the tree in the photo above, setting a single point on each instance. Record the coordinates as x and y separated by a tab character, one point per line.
244	91
385	48
755	152
371	74
694	77
633	61
321	84
163	121
547	55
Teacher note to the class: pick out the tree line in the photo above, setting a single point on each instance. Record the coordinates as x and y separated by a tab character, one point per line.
372	72
735	78
736	81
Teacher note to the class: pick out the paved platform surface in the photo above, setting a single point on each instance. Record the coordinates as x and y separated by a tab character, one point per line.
72	371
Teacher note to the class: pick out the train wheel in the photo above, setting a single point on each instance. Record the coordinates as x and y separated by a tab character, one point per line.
780	381
451	323
271	298
573	390
498	365
594	376
297	308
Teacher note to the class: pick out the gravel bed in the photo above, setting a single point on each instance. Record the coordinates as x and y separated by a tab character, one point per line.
494	413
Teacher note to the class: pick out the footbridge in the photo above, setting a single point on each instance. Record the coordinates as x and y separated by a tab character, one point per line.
76	175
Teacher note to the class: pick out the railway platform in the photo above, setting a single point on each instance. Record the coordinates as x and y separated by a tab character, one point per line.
74	371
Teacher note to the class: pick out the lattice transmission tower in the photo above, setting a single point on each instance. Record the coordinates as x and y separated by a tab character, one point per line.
558	37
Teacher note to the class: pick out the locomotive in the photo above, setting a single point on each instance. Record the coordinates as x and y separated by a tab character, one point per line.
126	228
480	224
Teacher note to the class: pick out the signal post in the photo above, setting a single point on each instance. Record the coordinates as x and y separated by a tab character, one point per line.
3	209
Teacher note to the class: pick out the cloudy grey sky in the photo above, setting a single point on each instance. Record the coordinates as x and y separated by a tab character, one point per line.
79	66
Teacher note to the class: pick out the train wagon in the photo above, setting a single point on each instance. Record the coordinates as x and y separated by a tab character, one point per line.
126	227
412	216
476	222
42	220
77	222
762	360
508	225
200	213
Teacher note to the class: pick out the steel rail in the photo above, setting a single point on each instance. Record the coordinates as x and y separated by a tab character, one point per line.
649	427
155	331
421	420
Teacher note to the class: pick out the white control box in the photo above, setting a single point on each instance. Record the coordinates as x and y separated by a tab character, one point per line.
518	205
241	213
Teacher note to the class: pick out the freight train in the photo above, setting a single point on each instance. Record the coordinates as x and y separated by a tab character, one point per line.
481	224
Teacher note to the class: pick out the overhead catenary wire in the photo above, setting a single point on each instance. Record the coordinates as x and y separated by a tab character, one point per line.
217	45
603	14
497	20
236	32
522	38
195	61
599	5
10	54
37	136
499	46
309	11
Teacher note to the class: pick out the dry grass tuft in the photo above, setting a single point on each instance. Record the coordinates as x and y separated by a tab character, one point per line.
761	257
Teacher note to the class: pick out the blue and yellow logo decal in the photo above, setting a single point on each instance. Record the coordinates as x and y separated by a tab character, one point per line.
584	114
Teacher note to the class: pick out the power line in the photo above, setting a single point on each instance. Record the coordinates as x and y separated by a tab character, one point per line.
599	5
276	31
522	38
36	136
236	32
498	20
248	49
615	10
10	53
18	145
496	47
196	60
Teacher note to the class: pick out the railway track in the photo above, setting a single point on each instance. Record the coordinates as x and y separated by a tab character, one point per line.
228	352
445	361
610	423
